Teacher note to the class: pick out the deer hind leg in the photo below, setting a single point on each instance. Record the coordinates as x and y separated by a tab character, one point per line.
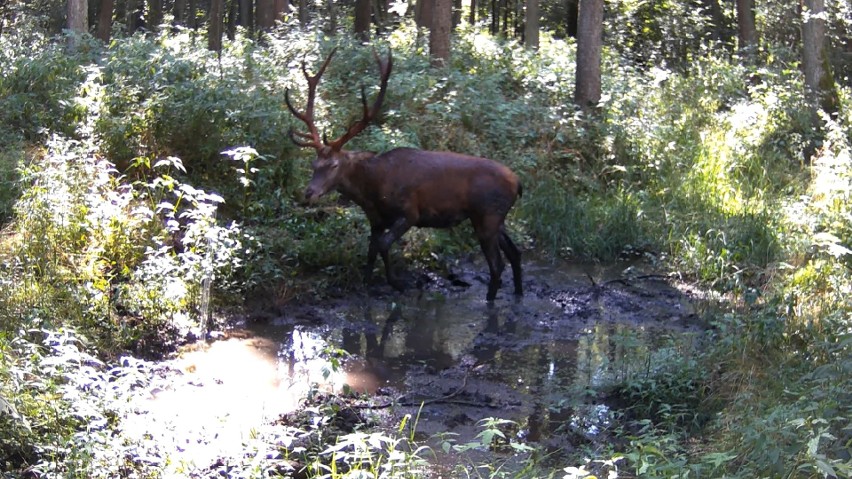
488	232
491	250
514	255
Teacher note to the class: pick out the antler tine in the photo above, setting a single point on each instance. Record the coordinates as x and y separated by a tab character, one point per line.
307	117
369	113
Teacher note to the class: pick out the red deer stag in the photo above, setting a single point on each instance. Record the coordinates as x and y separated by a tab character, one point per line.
406	187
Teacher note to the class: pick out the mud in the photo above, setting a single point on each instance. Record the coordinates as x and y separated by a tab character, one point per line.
439	354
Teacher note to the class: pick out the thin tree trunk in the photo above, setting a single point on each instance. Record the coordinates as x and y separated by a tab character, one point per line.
439	37
531	25
246	14
471	18
362	19
191	19
423	13
457	12
587	93
104	31
746	27
332	16
265	15
214	28
819	79
303	14
155	15
232	8
179	12
571	17
78	20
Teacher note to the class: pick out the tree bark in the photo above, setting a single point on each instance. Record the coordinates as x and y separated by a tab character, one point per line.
78	16
214	28
423	13
246	14
104	31
571	17
155	15
264	15
363	9
191	19
746	27
587	93
332	16
179	12
303	14
232	13
819	80
531	25
439	36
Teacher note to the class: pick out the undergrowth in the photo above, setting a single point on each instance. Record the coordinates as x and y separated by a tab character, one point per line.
168	176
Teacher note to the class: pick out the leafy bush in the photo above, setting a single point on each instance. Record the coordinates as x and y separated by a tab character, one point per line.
35	91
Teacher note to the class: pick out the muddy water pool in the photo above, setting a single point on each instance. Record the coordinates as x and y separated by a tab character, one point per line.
439	353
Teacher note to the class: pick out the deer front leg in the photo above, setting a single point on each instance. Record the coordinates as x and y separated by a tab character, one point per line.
384	242
373	251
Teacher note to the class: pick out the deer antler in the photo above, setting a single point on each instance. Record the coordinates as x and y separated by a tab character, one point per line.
369	113
312	137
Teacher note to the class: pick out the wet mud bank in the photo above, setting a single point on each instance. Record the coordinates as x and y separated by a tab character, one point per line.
438	354
442	354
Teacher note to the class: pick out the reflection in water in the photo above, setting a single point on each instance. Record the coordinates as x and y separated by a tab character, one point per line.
227	390
533	361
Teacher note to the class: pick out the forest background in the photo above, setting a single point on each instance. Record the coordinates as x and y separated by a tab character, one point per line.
144	153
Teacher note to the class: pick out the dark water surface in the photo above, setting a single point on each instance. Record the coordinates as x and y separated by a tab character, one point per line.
442	355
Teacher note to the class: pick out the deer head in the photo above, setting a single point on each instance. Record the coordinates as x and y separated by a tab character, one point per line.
330	154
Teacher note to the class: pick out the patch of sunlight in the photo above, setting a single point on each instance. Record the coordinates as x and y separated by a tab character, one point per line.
746	120
227	390
712	177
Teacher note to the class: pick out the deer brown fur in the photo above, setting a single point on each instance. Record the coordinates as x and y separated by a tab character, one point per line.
407	187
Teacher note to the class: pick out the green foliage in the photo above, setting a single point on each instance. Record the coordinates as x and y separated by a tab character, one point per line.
712	166
38	85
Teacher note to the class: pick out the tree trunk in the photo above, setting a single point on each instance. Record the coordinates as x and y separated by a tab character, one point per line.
571	17
362	19
746	27
587	93
505	6
232	8
531	25
155	14
332	16
303	14
179	12
472	13
280	10
819	80
457	12
265	15
104	31
214	28
423	13
439	36
246	14
78	16
191	19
